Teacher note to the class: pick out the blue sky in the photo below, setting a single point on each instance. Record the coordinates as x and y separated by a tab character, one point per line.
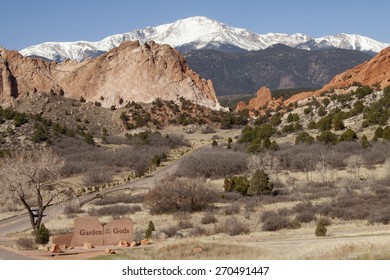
28	22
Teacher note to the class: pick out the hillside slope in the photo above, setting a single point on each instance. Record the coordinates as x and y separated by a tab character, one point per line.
373	73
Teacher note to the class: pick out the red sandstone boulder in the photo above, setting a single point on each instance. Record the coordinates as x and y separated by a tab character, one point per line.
123	243
145	242
55	249
88	245
109	251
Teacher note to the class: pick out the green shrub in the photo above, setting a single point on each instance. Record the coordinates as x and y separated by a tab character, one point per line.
237	184
327	138
386	133
363	91
149	230
312	125
88	138
260	184
292	117
364	141
378	133
325	123
42	235
338	123
348	135
307	110
304	138
321	227
365	124
40	134
321	111
276	119
288	128
326	102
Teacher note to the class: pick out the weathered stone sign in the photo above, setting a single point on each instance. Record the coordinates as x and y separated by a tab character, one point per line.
89	229
118	230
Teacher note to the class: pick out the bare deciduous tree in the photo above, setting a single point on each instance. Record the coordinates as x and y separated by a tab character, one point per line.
354	163
322	166
32	177
267	162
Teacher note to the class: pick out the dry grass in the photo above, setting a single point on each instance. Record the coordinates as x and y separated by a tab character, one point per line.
347	237
185	251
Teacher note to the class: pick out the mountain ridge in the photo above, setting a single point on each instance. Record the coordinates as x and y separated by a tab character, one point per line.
277	67
201	33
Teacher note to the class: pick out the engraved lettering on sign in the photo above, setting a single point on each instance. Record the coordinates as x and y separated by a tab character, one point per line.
117	230
91	232
89	229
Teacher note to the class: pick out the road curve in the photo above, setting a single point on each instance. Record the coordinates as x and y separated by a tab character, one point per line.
22	222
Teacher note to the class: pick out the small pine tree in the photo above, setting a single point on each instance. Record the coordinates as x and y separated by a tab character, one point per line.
321	227
364	141
260	184
88	138
149	230
43	235
312	125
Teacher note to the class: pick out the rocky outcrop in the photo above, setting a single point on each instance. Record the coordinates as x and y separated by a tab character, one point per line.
131	72
375	72
263	100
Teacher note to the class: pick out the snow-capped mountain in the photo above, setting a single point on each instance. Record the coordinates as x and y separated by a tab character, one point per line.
200	33
345	41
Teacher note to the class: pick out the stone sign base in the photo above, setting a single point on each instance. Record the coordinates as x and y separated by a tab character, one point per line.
89	229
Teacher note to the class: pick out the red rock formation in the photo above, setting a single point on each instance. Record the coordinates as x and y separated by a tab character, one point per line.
373	72
261	101
131	72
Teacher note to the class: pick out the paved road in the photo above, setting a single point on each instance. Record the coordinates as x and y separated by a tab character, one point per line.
8	255
22	222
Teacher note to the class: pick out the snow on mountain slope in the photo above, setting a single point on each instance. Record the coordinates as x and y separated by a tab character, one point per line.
200	33
345	41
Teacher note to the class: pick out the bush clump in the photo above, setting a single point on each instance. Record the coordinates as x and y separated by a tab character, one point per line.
274	221
180	194
208	218
42	236
149	230
25	243
115	210
213	163
231	226
238	184
260	184
321	227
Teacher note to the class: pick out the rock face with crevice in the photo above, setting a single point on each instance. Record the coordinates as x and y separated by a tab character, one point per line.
131	72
